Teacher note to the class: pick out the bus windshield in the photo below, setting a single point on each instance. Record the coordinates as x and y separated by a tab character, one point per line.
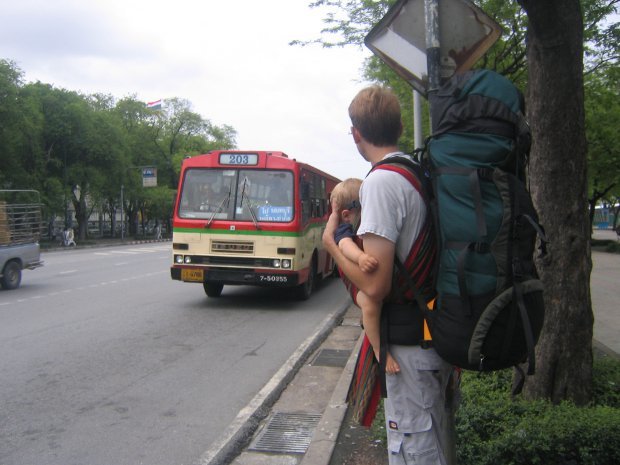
237	195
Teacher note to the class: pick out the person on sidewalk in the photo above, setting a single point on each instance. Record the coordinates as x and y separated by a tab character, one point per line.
68	237
395	223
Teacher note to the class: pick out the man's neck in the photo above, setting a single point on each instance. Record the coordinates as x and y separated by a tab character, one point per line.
375	154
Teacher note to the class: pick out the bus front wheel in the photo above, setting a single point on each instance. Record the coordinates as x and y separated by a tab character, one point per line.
213	289
304	290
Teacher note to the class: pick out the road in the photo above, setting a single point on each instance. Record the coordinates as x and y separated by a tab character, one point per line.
106	360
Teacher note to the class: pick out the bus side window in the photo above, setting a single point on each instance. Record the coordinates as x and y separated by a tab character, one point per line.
305	200
316	208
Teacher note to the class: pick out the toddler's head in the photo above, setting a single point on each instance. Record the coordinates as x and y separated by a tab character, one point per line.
345	199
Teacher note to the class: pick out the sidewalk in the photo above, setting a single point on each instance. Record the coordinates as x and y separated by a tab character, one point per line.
302	427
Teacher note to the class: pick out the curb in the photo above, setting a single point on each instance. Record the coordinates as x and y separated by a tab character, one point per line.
103	243
324	440
240	431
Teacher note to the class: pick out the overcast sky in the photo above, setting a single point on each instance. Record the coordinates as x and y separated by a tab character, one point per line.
229	58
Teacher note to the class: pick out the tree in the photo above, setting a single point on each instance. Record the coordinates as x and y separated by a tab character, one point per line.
14	175
558	171
180	131
602	122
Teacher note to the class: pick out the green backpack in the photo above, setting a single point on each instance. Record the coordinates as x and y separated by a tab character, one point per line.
489	309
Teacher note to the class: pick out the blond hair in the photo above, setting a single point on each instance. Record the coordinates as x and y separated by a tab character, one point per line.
345	192
375	113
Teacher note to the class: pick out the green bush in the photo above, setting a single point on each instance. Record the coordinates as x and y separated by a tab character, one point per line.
606	382
613	247
494	429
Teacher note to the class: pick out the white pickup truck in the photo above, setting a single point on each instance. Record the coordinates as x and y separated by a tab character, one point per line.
20	231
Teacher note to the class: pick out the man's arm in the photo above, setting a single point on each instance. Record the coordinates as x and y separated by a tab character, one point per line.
376	285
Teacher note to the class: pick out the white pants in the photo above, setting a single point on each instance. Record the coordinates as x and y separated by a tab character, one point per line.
419	420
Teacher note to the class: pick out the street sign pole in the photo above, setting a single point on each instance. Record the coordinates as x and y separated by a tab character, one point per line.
433	45
433	63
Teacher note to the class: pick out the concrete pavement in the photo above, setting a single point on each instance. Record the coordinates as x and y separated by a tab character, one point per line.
605	291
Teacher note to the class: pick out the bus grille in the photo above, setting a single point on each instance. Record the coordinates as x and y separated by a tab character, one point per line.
232	247
247	262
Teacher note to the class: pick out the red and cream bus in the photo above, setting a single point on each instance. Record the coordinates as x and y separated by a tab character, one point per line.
251	217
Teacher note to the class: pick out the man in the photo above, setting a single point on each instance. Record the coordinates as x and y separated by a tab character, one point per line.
394	223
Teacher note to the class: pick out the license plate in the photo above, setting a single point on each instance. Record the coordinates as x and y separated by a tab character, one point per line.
277	278
192	275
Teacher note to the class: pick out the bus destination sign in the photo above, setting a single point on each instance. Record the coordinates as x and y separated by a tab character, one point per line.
238	159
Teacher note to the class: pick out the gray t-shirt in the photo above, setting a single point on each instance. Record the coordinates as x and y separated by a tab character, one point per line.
391	208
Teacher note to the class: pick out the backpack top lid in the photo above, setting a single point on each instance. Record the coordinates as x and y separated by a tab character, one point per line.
478	101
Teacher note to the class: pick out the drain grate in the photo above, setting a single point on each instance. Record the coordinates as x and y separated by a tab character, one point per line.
286	433
332	358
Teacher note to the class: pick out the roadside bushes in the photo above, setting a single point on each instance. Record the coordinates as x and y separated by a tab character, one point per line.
494	429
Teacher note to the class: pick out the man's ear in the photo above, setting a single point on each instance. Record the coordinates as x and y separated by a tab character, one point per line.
357	137
346	214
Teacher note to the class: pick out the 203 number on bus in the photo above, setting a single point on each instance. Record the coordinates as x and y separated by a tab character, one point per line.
238	159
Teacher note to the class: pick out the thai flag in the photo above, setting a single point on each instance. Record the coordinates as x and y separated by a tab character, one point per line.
156	105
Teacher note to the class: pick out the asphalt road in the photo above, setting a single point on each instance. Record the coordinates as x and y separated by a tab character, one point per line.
106	360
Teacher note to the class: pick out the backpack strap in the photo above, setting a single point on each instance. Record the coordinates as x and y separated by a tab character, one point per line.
419	266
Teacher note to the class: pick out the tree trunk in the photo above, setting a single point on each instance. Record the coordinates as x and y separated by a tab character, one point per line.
558	172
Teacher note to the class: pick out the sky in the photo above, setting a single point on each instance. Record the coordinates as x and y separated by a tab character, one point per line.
230	58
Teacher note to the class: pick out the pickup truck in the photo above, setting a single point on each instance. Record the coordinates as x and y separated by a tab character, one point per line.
20	231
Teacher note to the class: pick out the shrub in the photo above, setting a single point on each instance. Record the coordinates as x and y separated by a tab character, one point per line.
494	429
613	247
606	382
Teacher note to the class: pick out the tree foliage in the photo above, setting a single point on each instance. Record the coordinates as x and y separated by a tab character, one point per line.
81	150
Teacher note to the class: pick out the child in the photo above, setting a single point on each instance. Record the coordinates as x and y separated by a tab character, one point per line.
345	201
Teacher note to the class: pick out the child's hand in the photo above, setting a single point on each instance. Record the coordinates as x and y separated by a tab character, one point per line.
367	263
391	366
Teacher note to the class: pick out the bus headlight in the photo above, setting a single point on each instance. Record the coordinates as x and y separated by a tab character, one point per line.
276	263
178	259
188	259
286	263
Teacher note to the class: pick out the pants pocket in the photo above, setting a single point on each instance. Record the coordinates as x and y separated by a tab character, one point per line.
418	448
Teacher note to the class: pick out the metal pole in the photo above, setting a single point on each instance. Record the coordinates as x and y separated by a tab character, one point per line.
433	63
433	51
122	211
417	119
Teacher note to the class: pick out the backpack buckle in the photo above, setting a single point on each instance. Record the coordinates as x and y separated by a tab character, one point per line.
426	344
480	247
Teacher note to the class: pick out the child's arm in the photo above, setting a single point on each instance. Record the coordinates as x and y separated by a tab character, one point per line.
352	252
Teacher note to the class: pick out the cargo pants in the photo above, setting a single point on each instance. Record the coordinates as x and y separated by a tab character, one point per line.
419	415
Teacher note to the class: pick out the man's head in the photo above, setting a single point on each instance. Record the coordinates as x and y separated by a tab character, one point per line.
345	199
375	114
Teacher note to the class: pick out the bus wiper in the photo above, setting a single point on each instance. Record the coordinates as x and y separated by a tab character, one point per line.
244	196
225	201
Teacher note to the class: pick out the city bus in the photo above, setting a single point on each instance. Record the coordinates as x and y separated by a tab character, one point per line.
251	218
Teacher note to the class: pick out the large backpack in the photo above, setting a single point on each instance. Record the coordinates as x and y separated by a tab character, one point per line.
489	308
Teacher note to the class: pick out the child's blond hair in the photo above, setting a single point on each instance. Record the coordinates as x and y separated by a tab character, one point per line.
345	192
